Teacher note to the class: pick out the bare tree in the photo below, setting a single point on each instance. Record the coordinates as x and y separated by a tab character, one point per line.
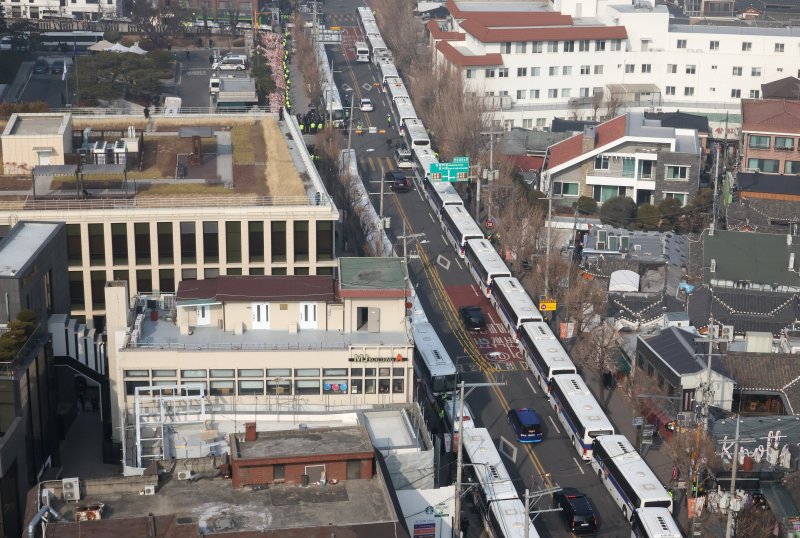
157	24
574	107
597	102
520	226
755	522
597	349
613	105
306	58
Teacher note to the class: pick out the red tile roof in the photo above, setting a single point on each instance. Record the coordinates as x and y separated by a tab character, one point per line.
510	18
439	34
493	34
310	288
572	147
455	57
771	116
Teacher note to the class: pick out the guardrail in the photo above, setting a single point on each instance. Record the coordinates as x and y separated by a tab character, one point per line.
161	202
169	112
238	346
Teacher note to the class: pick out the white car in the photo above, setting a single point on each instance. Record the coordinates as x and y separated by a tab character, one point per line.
365	105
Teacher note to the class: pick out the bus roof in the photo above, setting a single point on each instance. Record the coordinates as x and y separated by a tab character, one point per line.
388	69
404	108
488	466
540	335
517	297
511	518
658	522
582	402
631	464
488	257
396	87
452	414
462	219
432	350
425	157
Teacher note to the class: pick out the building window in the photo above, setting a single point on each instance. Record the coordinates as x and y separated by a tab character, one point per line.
324	240
672	68
489	73
737	71
541	122
522	71
552	93
533	94
233	241
670	90
334	386
144	281
569	46
211	241
679	196
647	68
527	124
566	92
301	240
681	43
469	73
586	69
628	167
755	72
254	372
119	244
536	47
691	69
630	68
552	46
521	47
278	386
279	471
598	70
778	47
601	162
502	72
98	284
747	46
583	92
255	241
536	71
792	167
304	387
221	388
603	193
600	45
583	45
553	71
505	48
713	45
688	91
251	387
97	246
565	189
784	143
645	169
520	95
566	70
759	142
755	94
770	166
278	240
166	252
188	243
616	44
141	242
188	274
74	244
76	294
166	280
675	172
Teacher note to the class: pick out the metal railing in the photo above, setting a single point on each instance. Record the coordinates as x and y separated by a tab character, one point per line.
162	202
36	337
225	346
508	106
170	112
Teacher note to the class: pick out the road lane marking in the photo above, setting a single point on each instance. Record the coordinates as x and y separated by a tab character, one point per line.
532	388
472	287
554	424
579	465
458	263
432	219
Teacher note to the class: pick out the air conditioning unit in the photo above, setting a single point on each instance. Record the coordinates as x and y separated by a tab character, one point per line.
71	489
150	489
727	333
185	475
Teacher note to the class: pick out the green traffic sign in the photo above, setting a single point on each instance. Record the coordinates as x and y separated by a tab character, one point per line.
458	170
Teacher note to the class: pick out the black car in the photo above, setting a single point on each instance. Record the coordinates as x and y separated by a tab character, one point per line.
58	67
576	510
41	67
398	181
473	318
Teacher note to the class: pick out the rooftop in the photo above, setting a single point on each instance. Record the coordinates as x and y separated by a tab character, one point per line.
390	429
752	212
784	88
299	443
753	257
771	115
677	349
24	241
771	372
756	182
215	506
747	311
275	288
37	124
378	275
680	120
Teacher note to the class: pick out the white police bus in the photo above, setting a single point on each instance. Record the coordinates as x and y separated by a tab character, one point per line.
513	304
543	352
459	227
579	412
654	523
484	263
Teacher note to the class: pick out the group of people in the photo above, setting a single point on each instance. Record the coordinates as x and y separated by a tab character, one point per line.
311	122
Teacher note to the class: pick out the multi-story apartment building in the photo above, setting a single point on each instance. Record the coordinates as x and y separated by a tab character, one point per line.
627	156
274	342
154	242
595	59
85	10
770	132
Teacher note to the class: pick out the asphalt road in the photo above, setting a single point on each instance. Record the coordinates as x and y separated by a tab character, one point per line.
436	272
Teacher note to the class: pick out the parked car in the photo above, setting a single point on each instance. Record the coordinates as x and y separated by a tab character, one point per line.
57	67
40	67
365	105
473	318
576	510
398	182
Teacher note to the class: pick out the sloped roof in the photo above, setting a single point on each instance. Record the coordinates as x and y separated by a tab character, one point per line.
784	88
487	33
747	311
766	372
510	18
456	57
767	183
680	120
437	33
572	147
771	116
755	257
677	349
762	215
308	288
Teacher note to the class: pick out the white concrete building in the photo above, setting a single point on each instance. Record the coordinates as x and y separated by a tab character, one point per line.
535	60
87	10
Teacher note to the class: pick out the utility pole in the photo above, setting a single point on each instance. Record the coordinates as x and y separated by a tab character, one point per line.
714	193
547	249
380	212
459	461
734	466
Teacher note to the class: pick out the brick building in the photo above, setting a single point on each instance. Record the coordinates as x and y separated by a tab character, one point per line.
770	129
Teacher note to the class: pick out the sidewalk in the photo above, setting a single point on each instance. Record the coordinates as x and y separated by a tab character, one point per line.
15	89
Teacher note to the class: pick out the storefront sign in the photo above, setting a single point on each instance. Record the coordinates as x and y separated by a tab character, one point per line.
363	357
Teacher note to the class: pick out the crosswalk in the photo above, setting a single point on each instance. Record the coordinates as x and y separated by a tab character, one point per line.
372	165
341	19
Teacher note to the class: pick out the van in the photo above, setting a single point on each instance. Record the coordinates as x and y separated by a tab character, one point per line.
231	64
402	156
526	425
213	85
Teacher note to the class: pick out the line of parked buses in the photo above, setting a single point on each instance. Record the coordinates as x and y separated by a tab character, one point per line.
634	487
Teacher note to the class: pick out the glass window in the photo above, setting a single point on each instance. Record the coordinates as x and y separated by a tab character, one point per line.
356	372
251	387
583	45
747	46
536	47
257	271
278	241
398	385
681	43
630	68
334	386
166	280
505	48
334	371
792	167
97	247
279	471
384	371
277	387
144	280
188	274
784	143
401	372
600	45
598	70
713	45
98	284
188	243
602	193
193	373
251	372
601	162
74	244
569	46
211	272
301	240
779	47
670	90
211	241
130	386
489	73
677	172
502	72
141	236
688	91
233	241
521	47
166	252
522	71
221	388
565	189
383	385
647	68
755	94
356	386
77	297
255	240
301	271
764	165
279	372
324	240
223	372
164	373
680	196
755	72
119	243
759	142
138	373
306	372
369	386
369	372
306	386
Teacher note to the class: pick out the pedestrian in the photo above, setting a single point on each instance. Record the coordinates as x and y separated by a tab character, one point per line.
280	113
63	99
299	118
211	59
389	144
187	54
81	402
210	44
389	119
147	112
